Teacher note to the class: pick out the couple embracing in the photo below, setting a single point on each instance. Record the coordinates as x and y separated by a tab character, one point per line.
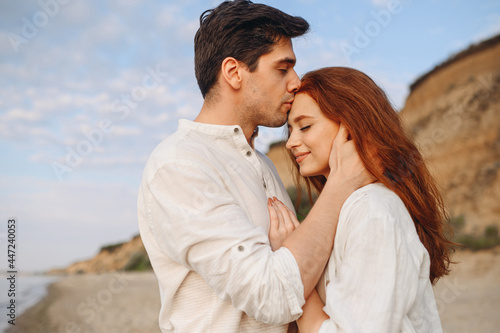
218	225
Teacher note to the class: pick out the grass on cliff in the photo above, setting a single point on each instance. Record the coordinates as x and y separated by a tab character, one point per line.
111	248
138	262
489	239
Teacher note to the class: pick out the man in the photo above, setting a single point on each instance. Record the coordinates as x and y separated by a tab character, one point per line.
202	204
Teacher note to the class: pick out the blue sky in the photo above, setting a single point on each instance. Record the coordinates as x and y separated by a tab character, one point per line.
89	88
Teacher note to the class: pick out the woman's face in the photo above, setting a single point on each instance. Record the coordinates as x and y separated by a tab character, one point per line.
311	136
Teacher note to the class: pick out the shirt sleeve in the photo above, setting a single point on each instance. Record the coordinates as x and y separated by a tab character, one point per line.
377	281
197	222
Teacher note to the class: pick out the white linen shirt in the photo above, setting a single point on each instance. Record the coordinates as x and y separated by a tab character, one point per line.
203	218
377	278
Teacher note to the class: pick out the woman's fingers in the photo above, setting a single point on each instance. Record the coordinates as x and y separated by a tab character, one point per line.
277	231
289	219
296	222
276	217
281	218
273	216
342	135
282	222
338	147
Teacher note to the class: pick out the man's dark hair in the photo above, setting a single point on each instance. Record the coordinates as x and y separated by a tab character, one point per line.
242	30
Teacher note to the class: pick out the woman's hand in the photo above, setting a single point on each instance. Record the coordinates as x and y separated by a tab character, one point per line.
283	222
313	316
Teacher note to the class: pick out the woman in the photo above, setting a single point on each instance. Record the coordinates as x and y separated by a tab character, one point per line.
390	245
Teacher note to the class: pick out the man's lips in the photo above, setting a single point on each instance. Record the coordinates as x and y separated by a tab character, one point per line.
289	104
301	156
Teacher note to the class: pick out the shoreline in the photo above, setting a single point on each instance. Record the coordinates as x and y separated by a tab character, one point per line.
25	322
111	302
30	289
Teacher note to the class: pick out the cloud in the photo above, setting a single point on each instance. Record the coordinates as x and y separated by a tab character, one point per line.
381	3
492	29
69	96
315	52
77	12
5	46
22	115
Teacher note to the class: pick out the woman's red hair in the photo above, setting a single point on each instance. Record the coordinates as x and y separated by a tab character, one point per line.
348	96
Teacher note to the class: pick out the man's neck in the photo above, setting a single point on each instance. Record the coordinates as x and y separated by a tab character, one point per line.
223	114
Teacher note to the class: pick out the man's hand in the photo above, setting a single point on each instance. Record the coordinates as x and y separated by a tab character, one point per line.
345	164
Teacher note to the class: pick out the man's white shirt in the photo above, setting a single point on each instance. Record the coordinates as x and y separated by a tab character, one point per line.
204	221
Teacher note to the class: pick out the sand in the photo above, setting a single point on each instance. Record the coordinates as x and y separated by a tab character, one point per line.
468	301
107	303
469	298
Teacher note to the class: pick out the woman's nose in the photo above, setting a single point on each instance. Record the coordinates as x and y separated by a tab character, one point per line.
292	142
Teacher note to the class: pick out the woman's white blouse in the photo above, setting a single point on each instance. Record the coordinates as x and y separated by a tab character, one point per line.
377	278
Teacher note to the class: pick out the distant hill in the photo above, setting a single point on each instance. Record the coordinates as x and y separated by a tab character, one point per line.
127	256
453	112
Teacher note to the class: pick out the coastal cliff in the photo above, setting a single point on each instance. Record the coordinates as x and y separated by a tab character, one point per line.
127	256
453	113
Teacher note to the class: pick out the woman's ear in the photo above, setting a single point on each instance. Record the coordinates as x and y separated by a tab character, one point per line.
231	72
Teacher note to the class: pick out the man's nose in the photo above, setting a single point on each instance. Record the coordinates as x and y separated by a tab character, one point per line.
294	83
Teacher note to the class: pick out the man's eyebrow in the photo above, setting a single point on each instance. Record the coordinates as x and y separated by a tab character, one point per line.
287	60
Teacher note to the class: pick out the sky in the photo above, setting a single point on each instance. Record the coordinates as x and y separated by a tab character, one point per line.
89	88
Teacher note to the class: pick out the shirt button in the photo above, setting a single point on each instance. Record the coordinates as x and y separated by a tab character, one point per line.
264	183
249	153
236	130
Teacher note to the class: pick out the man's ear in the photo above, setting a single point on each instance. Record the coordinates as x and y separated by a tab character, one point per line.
231	72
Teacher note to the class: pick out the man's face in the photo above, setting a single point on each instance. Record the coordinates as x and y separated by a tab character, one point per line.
269	91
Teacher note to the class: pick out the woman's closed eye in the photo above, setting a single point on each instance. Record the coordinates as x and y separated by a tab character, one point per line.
305	128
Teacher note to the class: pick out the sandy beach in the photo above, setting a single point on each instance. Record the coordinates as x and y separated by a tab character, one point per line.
469	298
106	303
468	301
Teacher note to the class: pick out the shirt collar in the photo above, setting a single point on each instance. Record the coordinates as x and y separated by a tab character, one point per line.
219	130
